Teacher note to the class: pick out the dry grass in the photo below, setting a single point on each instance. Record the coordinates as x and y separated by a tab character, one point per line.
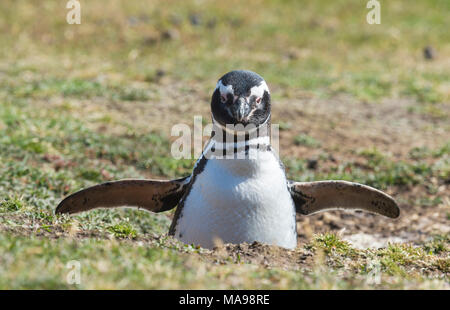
85	104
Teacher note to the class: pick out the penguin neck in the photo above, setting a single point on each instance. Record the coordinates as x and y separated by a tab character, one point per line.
222	132
241	153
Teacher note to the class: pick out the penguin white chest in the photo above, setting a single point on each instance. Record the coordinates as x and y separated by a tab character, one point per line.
239	200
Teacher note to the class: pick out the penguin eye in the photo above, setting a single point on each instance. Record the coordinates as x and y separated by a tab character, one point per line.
258	100
223	98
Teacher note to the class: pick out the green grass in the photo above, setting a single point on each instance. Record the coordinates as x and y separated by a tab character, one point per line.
76	88
306	140
439	244
331	243
10	204
161	264
122	230
309	48
379	170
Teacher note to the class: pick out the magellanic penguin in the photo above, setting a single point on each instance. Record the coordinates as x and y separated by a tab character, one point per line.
238	191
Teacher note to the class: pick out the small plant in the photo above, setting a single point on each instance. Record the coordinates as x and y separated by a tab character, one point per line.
395	257
439	244
330	242
443	264
444	150
284	125
122	230
10	204
419	153
133	95
305	140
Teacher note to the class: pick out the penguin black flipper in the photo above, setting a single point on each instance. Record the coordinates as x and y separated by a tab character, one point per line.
152	195
313	197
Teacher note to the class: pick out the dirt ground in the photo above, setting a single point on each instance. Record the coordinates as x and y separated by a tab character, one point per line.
343	126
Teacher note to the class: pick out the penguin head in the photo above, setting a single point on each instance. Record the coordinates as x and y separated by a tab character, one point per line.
241	97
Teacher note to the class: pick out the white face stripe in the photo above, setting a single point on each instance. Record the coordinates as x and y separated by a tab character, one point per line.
259	90
224	89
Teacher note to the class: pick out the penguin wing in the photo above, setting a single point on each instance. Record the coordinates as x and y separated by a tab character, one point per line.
313	197
152	195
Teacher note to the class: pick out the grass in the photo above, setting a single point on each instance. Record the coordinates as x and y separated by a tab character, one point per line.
11	204
122	230
378	170
168	264
306	140
80	105
297	56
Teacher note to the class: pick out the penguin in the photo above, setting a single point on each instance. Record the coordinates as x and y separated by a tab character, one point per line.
238	191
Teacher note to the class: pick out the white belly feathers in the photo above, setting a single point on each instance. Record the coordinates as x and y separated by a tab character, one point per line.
239	200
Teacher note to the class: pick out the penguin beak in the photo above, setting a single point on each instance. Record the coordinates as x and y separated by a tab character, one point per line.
240	108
